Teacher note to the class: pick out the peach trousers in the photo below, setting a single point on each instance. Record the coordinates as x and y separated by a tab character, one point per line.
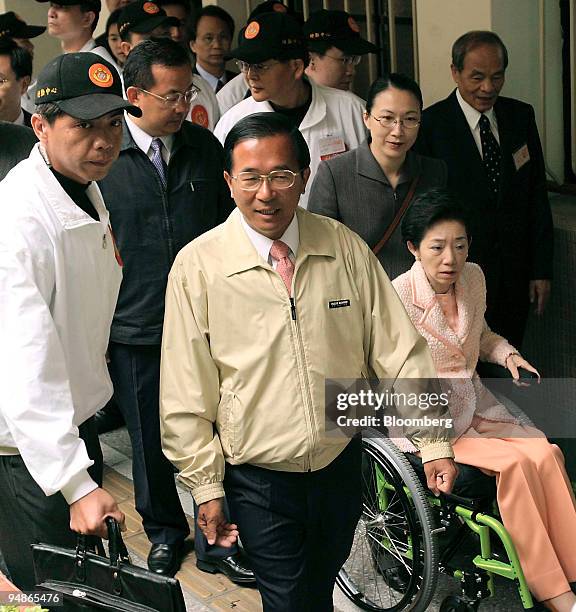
535	499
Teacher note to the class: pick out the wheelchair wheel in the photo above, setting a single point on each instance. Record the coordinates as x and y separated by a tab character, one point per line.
393	564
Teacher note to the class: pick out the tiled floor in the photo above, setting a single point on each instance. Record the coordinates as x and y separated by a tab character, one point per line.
205	592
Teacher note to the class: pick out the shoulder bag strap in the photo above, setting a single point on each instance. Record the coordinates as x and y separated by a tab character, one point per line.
398	217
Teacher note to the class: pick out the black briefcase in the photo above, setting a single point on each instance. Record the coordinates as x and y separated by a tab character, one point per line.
89	581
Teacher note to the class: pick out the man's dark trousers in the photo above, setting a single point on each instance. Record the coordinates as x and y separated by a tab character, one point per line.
297	528
28	516
135	372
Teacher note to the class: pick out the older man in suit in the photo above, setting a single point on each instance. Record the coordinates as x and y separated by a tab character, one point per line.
496	168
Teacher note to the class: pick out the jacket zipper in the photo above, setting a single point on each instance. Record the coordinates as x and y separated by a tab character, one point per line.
304	382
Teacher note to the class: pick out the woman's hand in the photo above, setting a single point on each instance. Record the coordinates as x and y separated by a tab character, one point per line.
515	361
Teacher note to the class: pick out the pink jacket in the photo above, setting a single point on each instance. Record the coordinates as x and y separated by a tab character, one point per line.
455	355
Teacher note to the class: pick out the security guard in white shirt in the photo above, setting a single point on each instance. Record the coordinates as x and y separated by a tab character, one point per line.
59	280
272	54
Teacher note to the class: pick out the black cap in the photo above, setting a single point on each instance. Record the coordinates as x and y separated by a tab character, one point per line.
94	5
83	85
337	28
143	16
11	26
270	35
270	6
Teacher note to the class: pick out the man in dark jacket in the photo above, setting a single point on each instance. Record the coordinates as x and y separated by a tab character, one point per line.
165	189
496	168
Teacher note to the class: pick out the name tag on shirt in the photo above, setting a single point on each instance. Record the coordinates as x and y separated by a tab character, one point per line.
521	156
338	303
330	146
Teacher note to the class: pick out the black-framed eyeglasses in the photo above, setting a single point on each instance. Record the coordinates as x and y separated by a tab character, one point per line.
173	99
255	68
278	179
347	60
389	121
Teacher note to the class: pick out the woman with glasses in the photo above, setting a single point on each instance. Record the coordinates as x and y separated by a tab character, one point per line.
370	188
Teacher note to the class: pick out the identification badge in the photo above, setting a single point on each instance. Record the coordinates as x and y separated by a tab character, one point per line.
521	156
330	146
338	303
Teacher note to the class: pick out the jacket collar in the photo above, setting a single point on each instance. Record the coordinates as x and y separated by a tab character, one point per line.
366	165
424	298
182	138
315	240
69	215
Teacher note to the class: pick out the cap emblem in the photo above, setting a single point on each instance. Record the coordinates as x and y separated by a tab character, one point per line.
279	8
252	30
150	8
353	25
100	75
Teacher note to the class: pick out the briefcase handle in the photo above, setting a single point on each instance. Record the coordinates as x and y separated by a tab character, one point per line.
116	548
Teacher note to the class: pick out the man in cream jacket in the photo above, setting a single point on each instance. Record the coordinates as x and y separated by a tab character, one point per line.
251	333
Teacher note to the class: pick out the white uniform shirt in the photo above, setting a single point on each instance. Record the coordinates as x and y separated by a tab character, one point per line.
59	281
334	120
233	92
204	110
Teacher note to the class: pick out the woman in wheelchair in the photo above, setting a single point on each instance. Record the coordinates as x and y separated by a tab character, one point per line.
446	299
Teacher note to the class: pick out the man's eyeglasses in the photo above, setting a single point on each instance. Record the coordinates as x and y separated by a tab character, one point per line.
389	121
173	99
347	60
278	179
255	68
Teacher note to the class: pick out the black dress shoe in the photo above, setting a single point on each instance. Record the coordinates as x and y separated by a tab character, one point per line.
235	567
165	558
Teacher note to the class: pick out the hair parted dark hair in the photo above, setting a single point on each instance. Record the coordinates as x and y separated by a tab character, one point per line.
265	125
473	39
137	70
20	58
428	209
49	111
212	11
396	80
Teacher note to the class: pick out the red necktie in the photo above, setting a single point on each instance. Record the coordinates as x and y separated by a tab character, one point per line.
279	251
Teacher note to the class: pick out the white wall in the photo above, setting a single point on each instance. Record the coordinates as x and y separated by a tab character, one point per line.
439	25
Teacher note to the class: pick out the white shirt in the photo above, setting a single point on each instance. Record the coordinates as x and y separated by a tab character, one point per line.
210	78
473	119
101	51
204	110
263	244
332	114
143	140
232	93
59	281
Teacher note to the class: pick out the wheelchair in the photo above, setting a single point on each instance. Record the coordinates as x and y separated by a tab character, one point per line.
406	537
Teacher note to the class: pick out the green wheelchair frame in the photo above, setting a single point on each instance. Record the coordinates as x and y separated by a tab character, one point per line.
394	562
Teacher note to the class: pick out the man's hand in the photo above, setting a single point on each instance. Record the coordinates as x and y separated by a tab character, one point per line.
211	521
440	475
87	514
539	292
